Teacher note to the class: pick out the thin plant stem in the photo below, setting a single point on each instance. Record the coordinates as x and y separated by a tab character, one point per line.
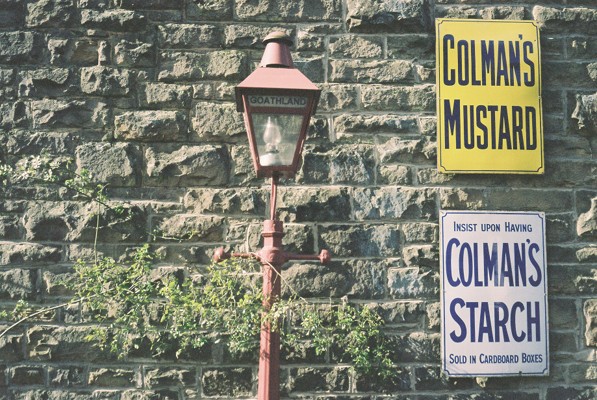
40	312
97	223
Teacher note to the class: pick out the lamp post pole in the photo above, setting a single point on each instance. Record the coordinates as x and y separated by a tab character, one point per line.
272	256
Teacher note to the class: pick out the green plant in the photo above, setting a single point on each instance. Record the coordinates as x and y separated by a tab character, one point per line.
118	296
223	304
133	305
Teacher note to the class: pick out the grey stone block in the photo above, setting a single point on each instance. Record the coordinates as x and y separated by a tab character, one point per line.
116	20
217	122
279	10
50	13
590	314
165	95
20	47
566	19
29	253
361	71
361	240
404	98
187	66
101	159
227	382
392	17
106	81
49	113
153	126
187	165
136	53
318	379
186	36
18	284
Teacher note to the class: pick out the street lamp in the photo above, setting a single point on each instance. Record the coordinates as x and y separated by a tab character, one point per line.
277	101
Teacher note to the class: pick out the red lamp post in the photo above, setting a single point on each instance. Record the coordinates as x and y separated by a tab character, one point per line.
277	101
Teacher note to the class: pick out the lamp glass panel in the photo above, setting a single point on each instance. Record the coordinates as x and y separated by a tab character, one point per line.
276	136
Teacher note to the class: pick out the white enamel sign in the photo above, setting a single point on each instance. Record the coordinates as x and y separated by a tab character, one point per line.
494	293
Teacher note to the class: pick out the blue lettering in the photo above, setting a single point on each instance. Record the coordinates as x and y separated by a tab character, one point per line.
520	265
466	248
518	338
490	260
506	266
534	281
485	323
500	321
495	322
472	306
460	337
533	320
452	242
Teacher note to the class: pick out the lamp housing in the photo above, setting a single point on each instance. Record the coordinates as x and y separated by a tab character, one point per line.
277	101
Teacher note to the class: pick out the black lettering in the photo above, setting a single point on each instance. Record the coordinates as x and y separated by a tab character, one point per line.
492	111
531	127
517	128
514	48
469	139
487	62
529	77
452	122
502	65
449	74
504	129
474	80
463	63
482	140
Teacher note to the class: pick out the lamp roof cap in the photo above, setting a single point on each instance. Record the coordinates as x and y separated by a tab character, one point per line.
278	36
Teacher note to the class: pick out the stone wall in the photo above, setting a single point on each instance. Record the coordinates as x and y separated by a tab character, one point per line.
141	93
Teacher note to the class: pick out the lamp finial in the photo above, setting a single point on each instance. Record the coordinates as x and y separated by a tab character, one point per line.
277	51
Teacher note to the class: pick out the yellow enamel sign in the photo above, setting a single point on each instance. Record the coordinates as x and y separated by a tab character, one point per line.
489	97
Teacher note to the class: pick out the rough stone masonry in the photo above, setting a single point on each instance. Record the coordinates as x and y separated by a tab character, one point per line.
141	93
